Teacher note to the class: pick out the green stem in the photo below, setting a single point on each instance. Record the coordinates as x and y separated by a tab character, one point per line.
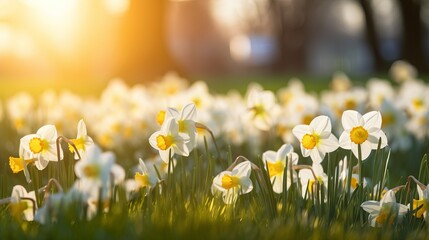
360	166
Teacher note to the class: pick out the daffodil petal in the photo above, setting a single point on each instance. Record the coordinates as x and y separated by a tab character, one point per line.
350	119
345	141
305	152
246	185
277	182
189	112
300	130
372	119
371	207
284	150
389	197
321	124
317	156
242	169
269	156
378	135
329	144
172	113
81	129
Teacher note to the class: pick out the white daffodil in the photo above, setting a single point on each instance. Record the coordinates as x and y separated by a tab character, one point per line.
394	124
142	178
261	108
276	162
22	203
344	172
186	122
233	183
362	130
170	139
379	91
340	82
96	173
42	146
170	85
295	88
418	125
402	71
308	180
82	141
96	165
422	204
413	97
19	108
338	102
316	139
387	211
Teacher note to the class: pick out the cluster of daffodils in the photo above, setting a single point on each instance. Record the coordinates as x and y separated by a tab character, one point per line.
361	135
123	117
95	176
159	122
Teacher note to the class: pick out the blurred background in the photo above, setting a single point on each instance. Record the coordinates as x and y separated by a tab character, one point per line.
141	40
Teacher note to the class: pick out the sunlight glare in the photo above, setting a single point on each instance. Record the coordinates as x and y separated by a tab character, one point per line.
55	18
116	7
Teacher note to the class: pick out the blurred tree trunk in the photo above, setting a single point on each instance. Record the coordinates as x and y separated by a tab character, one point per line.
413	33
371	35
291	25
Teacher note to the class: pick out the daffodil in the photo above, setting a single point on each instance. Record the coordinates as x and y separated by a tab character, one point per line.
19	108
344	173
96	173
394	124
96	165
362	130
42	146
186	121
413	97
311	179
421	204
170	139
379	91
401	71
22	204
143	178
233	183
18	164
352	99
82	141
316	139
261	108
387	211
276	162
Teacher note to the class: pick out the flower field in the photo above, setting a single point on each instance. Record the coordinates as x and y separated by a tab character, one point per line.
171	159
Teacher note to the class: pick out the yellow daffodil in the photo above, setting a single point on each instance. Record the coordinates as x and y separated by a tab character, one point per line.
276	162
82	141
42	146
143	178
310	181
22	204
186	121
233	183
170	139
421	204
344	172
261	108
316	139
362	130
